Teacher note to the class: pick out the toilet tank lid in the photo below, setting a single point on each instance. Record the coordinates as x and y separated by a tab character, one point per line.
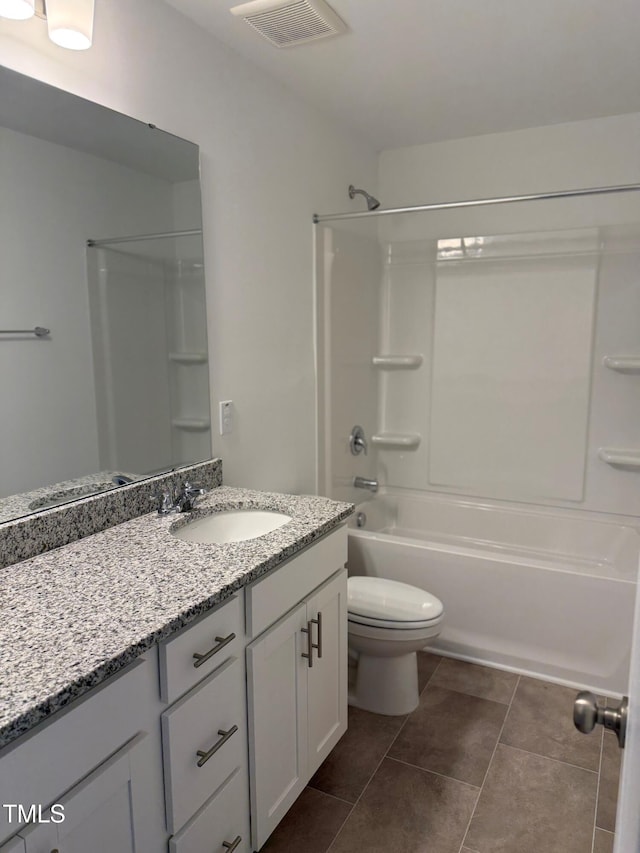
380	598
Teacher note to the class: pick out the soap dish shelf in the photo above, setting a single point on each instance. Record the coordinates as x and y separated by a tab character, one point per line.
622	363
397	362
396	440
191	424
619	457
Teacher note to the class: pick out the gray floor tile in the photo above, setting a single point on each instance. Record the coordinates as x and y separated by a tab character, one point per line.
451	733
530	804
405	808
609	781
603	842
354	760
477	680
541	720
310	825
427	665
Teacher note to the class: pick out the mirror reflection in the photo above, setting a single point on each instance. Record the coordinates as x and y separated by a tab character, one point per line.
103	346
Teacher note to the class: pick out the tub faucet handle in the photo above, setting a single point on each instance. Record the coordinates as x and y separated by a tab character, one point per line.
357	441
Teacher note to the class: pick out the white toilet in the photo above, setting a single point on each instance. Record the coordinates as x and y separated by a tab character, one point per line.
388	623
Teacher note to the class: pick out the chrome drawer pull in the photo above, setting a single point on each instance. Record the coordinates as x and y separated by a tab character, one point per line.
231	845
221	642
205	756
310	644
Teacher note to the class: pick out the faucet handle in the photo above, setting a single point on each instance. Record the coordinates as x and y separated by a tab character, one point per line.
357	441
193	489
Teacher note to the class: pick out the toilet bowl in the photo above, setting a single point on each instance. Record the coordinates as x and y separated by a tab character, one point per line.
388	623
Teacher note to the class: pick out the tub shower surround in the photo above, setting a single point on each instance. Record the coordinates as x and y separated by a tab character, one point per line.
23	538
100	602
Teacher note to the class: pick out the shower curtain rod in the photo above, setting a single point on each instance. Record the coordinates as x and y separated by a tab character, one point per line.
478	202
140	237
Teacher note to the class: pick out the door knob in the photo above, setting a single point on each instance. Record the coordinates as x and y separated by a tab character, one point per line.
587	714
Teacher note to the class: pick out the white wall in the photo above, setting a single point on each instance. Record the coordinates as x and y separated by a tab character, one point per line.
574	155
268	162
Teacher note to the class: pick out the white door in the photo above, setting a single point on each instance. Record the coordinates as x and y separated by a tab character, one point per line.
327	690
627	839
98	813
277	693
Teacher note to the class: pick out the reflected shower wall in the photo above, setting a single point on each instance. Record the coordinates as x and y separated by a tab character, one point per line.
149	337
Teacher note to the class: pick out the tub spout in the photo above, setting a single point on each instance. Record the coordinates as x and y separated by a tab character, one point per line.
363	483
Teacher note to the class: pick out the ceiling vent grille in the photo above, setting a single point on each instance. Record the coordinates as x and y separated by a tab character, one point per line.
286	23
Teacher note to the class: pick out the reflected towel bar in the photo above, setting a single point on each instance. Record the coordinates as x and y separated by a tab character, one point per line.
39	332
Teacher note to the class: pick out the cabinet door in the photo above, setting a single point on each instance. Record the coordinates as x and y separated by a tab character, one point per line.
277	687
327	681
98	813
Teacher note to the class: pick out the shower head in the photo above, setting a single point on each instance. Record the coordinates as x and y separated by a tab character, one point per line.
372	203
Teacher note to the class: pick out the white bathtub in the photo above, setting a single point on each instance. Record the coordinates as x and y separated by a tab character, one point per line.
549	593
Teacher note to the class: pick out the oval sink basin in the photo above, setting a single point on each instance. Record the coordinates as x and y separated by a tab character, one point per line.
236	525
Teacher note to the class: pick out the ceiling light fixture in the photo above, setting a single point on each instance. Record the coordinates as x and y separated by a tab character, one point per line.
69	22
17	10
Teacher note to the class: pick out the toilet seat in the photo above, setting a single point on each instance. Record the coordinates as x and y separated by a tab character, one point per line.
383	603
392	624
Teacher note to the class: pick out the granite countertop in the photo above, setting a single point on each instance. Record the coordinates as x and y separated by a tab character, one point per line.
72	617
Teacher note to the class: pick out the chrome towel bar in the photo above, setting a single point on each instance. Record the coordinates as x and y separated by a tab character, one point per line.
39	332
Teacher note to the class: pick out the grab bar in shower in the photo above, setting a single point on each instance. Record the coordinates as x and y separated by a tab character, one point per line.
38	331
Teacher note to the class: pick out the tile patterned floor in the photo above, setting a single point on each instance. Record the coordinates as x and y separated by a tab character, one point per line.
489	762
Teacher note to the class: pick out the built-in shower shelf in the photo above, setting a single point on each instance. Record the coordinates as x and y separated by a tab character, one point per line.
397	362
188	357
619	457
396	440
191	424
622	363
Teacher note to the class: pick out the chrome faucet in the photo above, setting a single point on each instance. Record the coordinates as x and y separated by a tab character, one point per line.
363	483
183	500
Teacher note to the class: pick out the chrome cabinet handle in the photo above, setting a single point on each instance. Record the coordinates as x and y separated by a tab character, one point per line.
221	642
205	756
318	645
231	845
310	644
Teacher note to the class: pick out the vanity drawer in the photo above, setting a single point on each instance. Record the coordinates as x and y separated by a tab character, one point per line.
276	593
216	637
207	728
223	820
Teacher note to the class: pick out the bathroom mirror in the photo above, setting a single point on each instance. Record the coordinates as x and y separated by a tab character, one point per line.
103	345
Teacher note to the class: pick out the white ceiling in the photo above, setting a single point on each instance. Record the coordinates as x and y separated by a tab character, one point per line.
416	71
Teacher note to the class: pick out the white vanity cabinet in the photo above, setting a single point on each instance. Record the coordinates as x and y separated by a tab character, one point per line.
205	741
296	679
98	763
